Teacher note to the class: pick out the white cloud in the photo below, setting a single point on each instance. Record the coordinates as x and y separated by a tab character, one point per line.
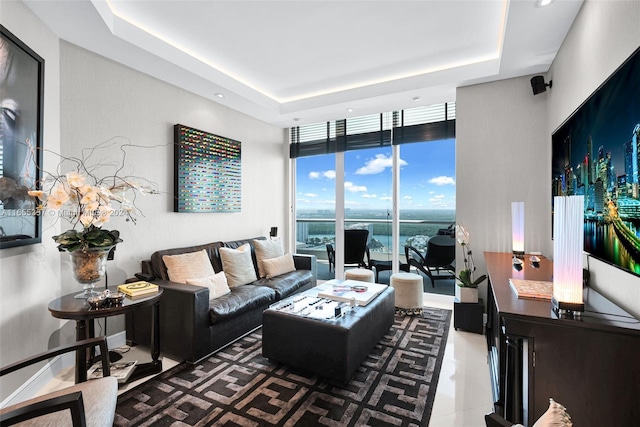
349	186
329	174
442	180
311	195
369	196
385	198
407	197
378	165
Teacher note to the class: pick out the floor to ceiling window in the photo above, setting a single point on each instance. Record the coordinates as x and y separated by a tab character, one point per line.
361	149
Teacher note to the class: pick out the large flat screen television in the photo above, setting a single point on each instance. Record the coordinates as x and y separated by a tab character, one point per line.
596	153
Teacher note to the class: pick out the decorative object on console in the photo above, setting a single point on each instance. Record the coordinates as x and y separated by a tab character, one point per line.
207	172
517	228
465	277
88	201
567	251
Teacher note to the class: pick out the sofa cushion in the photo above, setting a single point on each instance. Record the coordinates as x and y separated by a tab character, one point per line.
289	283
267	249
240	300
276	266
217	284
188	265
159	269
238	266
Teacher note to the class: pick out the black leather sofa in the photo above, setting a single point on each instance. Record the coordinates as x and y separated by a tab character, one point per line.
191	326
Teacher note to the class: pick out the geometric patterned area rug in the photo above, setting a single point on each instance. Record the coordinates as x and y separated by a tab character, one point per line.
394	386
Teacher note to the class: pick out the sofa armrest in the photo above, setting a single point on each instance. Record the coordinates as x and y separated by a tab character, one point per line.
184	322
306	262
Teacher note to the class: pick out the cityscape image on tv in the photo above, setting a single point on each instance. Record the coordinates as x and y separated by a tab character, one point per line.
596	154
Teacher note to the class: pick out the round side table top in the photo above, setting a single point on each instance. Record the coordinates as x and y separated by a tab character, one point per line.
69	307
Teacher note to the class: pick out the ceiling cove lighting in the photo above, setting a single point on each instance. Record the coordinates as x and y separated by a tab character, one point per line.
362	83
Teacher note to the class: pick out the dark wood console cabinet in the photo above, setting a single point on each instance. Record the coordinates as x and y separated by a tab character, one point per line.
591	366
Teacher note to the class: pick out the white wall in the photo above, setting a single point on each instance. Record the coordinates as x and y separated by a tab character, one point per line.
88	100
503	154
29	275
603	36
504	141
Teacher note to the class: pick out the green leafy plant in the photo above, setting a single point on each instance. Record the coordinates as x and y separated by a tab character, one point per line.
465	278
90	237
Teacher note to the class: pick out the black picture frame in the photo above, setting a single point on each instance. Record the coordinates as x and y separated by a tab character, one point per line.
21	125
596	154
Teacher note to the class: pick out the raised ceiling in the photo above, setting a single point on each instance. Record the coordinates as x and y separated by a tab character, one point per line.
295	62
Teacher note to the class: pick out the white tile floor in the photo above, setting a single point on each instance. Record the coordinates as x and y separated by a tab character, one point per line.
463	395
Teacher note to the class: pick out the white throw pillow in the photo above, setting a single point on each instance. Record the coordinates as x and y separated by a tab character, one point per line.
238	266
276	266
217	284
267	249
184	266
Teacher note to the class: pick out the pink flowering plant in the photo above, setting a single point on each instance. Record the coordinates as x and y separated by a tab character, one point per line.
465	278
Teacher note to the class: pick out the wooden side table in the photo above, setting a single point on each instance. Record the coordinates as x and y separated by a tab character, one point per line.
68	307
468	316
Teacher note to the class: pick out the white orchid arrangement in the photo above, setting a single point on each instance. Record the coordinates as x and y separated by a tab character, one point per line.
466	275
83	199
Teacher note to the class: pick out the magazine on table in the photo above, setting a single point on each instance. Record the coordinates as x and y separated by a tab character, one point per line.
121	371
362	292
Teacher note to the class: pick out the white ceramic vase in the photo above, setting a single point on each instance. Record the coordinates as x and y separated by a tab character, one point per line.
467	295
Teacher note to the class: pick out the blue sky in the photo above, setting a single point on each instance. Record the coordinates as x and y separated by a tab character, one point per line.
427	178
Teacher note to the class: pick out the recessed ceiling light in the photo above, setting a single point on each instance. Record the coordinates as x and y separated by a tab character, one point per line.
349	110
543	3
220	95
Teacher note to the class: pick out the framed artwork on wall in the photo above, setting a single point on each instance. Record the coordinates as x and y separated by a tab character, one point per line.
207	172
596	154
21	112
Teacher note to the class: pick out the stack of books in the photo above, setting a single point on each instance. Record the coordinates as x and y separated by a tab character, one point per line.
138	289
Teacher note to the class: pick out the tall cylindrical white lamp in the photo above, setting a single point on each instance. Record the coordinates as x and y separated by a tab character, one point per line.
568	230
517	228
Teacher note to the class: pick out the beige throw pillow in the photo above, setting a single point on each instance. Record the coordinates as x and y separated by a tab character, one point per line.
276	266
184	266
267	249
217	284
238	266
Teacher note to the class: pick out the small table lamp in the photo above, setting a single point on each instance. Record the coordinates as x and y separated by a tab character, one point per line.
517	228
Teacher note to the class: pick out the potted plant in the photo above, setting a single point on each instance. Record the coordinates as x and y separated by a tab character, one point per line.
467	287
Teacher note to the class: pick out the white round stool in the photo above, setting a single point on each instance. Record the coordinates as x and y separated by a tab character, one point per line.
359	274
409	292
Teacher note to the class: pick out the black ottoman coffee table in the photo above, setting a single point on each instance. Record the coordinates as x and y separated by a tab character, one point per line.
332	348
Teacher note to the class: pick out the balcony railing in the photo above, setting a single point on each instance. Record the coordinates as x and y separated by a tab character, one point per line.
313	234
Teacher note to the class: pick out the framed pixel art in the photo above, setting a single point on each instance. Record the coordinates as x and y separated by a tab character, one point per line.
207	172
